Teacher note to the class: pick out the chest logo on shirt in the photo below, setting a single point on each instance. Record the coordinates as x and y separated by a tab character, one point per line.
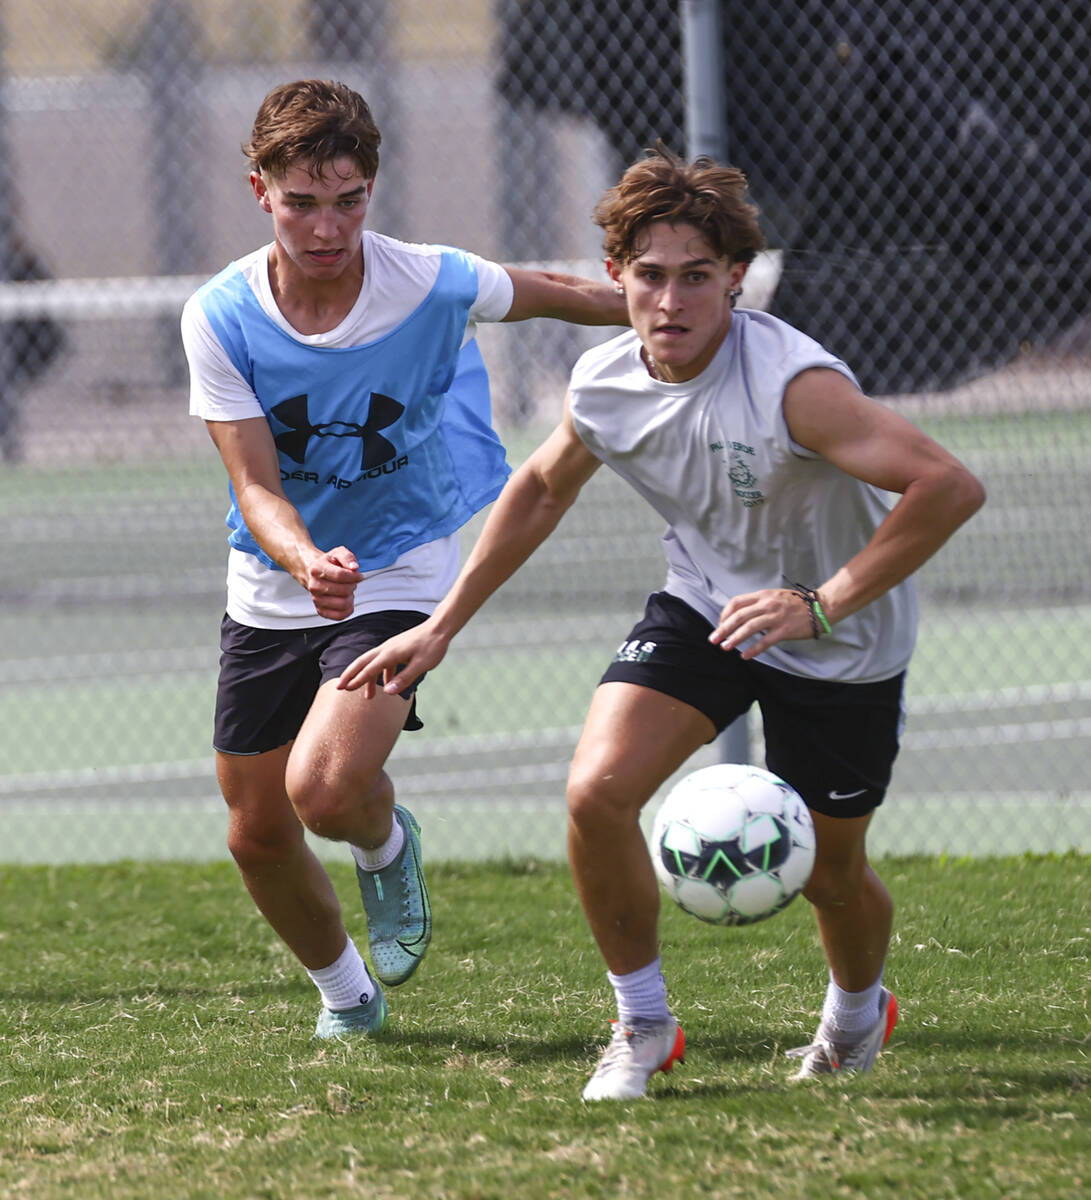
743	480
375	449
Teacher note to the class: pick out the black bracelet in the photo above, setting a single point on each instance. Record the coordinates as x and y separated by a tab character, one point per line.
819	624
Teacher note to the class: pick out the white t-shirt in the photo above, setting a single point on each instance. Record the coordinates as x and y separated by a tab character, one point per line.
746	506
397	277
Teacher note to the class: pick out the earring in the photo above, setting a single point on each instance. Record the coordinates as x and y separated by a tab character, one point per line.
619	289
736	293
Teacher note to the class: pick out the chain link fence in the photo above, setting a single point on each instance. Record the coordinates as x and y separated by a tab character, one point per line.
924	172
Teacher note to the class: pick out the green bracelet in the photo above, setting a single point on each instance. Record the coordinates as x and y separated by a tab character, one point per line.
816	608
819	624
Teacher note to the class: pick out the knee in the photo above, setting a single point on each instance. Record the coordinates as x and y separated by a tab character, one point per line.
259	846
322	806
599	801
332	806
838	883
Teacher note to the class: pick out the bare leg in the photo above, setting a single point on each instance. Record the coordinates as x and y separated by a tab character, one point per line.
285	879
853	908
335	774
339	789
634	738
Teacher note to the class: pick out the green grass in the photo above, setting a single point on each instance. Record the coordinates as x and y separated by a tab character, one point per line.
155	1040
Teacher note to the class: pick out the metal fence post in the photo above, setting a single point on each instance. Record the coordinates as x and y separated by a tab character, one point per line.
706	133
703	74
171	62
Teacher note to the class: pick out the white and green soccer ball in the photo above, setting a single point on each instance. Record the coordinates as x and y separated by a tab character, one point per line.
733	844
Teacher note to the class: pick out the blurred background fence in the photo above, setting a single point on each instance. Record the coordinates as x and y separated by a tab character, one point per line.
923	171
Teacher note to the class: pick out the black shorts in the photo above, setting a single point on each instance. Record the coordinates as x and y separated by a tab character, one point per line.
834	742
269	677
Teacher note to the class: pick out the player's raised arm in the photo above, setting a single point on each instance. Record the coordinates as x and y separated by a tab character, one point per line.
564	297
249	454
527	511
827	413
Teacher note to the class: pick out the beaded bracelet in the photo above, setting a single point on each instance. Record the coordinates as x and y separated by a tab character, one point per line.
819	624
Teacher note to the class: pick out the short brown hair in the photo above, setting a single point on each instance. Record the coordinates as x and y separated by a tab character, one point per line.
311	122
664	187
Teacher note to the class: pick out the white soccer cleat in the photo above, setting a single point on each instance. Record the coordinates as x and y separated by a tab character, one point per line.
633	1056
824	1056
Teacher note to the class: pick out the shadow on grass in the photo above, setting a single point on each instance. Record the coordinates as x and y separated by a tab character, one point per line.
521	1049
62	993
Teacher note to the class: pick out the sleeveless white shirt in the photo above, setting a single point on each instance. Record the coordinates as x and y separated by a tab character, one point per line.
746	506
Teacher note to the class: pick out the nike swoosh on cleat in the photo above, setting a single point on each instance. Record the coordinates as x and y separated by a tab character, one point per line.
835	795
409	946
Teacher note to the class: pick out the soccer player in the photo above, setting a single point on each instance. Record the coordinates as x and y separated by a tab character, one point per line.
340	381
787	585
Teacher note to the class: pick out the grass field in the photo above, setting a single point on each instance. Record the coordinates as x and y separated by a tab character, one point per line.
156	1042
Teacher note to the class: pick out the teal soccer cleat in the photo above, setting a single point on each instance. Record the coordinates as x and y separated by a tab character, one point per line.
364	1018
399	915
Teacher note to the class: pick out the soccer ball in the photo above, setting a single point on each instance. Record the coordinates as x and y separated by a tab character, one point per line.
733	844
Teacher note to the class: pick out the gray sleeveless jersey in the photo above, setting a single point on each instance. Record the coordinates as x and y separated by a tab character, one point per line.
746	506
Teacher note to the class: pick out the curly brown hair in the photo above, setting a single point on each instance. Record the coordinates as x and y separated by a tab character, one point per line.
312	122
664	187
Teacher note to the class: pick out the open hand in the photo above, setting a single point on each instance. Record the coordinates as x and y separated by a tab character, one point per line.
396	663
771	615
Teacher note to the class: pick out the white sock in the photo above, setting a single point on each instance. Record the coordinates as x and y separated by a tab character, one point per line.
641	995
381	856
850	1014
346	982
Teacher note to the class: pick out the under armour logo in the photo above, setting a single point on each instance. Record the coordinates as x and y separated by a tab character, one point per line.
374	448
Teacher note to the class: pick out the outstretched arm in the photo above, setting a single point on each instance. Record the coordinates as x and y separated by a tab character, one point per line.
250	456
527	511
564	297
827	413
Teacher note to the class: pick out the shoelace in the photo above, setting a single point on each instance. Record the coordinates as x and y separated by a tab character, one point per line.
622	1040
377	879
840	1055
828	1048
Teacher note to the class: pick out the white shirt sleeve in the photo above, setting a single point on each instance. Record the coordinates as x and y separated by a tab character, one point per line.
217	392
495	291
